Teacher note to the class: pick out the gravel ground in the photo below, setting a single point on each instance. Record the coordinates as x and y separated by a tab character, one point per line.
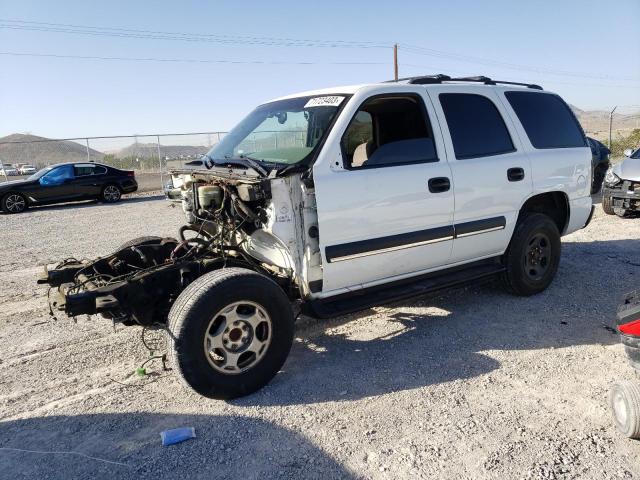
473	383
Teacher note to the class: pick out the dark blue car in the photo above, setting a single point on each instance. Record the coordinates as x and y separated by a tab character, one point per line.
67	182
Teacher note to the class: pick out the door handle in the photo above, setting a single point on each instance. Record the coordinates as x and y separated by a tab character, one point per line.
439	184
515	174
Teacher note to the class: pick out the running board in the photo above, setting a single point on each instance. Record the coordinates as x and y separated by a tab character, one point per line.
402	289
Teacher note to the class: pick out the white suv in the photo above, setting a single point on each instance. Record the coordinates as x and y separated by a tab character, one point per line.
341	199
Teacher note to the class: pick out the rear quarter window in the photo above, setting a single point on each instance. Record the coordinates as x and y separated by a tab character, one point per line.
476	127
547	120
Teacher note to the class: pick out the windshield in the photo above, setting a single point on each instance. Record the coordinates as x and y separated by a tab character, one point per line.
40	173
283	132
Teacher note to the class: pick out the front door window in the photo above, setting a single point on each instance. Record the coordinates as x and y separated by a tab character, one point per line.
57	176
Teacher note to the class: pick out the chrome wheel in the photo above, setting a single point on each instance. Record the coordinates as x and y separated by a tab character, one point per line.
15	203
237	337
111	193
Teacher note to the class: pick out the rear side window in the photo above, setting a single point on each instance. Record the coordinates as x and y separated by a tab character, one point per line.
83	170
477	129
547	119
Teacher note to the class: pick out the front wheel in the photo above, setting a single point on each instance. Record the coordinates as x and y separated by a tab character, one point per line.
14	203
533	255
111	194
230	332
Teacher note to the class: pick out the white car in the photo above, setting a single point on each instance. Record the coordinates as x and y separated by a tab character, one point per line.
340	199
621	192
8	171
27	170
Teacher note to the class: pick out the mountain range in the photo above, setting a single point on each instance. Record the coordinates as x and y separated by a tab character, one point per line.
41	151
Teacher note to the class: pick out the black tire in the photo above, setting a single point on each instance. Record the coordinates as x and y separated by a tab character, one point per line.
598	178
110	193
194	315
607	205
14	202
533	255
624	399
140	241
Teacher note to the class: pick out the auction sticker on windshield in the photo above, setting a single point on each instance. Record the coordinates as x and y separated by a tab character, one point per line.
330	101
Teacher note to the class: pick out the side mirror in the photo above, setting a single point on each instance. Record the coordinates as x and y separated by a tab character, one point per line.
628	152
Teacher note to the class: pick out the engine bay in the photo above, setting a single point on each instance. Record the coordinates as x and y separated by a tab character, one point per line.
232	220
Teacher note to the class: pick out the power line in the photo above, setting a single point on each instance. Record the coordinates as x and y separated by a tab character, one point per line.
185	60
181	36
265	62
412	49
545	81
225	39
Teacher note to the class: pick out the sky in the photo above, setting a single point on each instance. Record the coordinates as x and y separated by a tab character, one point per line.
587	51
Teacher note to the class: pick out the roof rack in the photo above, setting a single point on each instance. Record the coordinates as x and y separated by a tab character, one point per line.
440	78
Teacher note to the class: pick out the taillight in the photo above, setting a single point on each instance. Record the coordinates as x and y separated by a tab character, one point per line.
631	328
131	174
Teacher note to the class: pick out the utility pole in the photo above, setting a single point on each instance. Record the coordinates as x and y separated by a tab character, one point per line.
610	123
395	62
160	163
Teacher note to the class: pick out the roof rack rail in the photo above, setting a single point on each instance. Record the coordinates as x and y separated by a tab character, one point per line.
440	78
425	79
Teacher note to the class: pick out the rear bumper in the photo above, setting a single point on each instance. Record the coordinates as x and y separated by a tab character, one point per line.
593	209
129	186
580	212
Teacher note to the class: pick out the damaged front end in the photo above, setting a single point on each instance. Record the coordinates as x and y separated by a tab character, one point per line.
136	284
233	220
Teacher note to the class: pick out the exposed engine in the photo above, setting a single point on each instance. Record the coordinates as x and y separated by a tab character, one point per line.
222	212
232	220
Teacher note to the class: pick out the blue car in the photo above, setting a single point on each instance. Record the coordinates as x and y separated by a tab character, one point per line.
67	182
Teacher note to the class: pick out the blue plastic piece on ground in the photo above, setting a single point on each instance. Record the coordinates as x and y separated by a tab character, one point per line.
177	435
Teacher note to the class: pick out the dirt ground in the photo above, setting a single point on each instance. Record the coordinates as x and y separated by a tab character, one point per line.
473	383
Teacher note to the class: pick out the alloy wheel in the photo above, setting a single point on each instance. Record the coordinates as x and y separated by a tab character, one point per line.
237	337
15	203
111	193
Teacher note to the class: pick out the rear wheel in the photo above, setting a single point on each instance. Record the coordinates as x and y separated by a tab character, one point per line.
111	194
607	205
230	332
533	255
14	203
624	399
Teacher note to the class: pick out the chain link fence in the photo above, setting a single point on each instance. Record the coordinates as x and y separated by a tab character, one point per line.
150	156
619	129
